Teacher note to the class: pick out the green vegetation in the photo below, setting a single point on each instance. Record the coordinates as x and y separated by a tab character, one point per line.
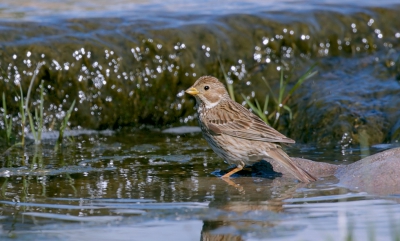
261	112
26	108
65	123
37	134
36	122
279	102
7	123
23	117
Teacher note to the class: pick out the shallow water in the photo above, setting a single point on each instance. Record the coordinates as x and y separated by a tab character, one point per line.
128	185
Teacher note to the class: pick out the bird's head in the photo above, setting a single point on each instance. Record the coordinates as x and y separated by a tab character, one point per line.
208	91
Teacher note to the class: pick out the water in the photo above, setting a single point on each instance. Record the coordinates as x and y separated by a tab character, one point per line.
48	10
122	174
153	184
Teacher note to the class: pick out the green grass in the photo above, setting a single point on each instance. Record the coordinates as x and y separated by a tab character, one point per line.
261	112
64	123
7	122
24	107
23	116
278	103
364	143
37	134
36	122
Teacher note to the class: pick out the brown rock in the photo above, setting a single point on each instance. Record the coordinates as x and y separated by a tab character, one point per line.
376	174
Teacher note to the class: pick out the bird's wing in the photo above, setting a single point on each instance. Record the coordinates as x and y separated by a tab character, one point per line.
284	160
233	119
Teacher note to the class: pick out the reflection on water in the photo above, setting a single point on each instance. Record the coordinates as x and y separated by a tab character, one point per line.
155	184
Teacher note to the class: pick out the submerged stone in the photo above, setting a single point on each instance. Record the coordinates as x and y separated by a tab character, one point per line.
375	174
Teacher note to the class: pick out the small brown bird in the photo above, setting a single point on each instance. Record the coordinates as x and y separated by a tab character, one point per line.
235	134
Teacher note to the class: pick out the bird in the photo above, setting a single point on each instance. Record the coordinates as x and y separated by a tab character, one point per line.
237	135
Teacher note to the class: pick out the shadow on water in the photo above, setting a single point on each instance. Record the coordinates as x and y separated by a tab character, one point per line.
111	185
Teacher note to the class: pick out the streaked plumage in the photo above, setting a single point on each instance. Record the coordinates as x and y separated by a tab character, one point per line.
234	133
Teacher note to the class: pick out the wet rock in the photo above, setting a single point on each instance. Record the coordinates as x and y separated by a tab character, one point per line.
338	109
377	174
395	132
317	169
182	130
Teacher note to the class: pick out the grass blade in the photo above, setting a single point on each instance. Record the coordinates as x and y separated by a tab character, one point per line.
248	102
288	110
266	104
21	107
281	90
299	82
260	112
23	117
28	95
257	109
33	126
305	76
270	90
7	123
40	125
258	105
65	123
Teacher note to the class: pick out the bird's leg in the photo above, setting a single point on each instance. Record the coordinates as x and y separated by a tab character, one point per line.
233	171
231	183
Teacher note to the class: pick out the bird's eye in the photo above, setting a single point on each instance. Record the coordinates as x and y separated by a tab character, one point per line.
206	87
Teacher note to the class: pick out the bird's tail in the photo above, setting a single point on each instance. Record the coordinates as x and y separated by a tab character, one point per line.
280	156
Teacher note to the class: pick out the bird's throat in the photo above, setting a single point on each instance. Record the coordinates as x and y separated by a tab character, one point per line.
210	105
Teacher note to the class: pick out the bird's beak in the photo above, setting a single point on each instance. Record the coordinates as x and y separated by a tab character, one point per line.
192	91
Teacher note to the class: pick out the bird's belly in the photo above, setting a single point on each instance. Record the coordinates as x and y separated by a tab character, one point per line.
235	150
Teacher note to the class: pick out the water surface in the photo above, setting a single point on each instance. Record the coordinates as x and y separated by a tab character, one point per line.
129	185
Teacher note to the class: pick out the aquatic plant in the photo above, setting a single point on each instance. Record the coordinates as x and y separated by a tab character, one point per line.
7	122
23	117
64	123
24	106
279	103
37	134
36	122
261	112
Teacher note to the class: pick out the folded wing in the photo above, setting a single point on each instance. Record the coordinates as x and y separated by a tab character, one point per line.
233	119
